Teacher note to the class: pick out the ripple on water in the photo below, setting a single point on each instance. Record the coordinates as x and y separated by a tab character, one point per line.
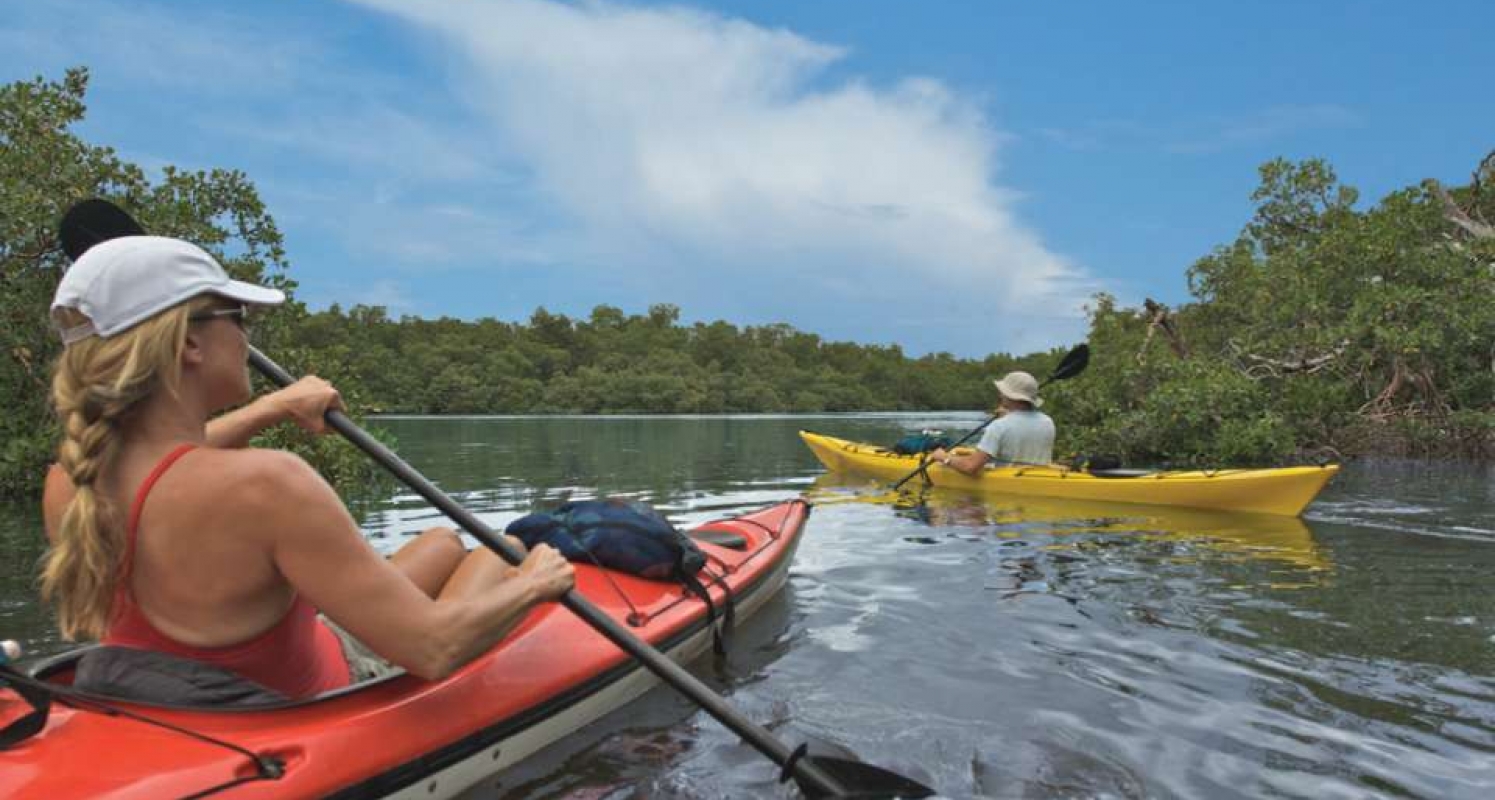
1139	664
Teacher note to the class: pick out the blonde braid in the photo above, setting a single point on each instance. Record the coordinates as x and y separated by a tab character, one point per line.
97	384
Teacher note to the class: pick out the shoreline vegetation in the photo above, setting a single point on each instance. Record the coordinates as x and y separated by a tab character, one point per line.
1326	330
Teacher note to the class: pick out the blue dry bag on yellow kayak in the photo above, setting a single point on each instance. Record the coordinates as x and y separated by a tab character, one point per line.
919	443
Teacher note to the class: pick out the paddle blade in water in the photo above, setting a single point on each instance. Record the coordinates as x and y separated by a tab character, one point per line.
864	780
92	221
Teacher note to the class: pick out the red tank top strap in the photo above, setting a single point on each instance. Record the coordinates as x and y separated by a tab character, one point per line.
298	656
143	492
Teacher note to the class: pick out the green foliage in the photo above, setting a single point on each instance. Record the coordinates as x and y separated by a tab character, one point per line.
1320	326
1190	411
44	169
613	362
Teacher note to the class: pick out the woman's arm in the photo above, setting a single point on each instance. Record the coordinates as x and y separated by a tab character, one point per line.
304	402
317	547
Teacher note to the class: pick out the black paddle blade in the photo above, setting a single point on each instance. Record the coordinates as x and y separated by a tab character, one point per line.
863	780
92	221
1075	362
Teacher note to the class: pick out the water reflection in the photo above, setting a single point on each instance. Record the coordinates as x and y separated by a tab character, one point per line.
1126	651
1083	525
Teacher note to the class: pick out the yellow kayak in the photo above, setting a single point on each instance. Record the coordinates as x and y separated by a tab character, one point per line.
1284	490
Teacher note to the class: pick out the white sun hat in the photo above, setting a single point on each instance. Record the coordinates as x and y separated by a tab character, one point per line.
122	282
1019	386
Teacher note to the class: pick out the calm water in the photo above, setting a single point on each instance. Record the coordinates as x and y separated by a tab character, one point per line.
1009	648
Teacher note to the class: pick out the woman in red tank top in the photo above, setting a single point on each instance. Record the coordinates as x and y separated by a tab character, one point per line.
227	552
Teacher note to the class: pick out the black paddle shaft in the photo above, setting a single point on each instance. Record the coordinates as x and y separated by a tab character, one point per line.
811	778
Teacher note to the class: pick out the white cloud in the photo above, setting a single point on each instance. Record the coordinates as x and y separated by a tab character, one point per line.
159	46
375	138
660	154
1267	125
710	150
393	295
1203	135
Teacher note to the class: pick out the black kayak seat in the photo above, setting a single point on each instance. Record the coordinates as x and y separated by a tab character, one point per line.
146	676
1120	473
720	538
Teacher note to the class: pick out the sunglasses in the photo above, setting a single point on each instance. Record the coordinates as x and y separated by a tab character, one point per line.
239	314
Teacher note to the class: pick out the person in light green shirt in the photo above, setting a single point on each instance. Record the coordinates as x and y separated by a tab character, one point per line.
1020	435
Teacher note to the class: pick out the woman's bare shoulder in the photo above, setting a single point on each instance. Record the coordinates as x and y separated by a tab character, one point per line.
272	479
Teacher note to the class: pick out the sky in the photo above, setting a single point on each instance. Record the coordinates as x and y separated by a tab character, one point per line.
957	177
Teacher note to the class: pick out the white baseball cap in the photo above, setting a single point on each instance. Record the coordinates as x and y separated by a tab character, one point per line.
1019	386
122	282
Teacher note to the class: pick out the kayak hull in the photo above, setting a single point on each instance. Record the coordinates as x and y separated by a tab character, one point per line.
402	736
1285	491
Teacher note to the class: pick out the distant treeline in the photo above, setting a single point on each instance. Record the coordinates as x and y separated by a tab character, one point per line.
612	362
1322	329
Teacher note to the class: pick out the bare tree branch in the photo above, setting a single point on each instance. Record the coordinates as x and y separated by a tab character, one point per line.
1453	213
1264	366
1158	319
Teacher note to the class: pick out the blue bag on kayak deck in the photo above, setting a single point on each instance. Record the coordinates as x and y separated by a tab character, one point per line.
629	536
626	535
918	443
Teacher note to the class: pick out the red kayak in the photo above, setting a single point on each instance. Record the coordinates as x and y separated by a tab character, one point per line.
401	736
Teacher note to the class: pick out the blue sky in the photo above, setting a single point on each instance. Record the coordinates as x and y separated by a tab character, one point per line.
946	176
